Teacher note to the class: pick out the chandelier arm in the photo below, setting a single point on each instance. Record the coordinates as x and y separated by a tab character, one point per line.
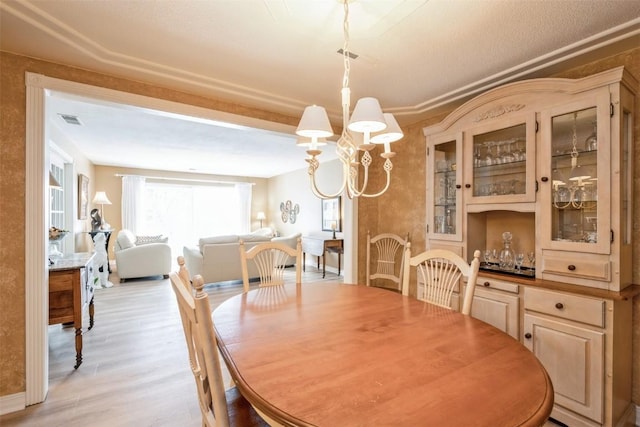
353	185
388	166
314	187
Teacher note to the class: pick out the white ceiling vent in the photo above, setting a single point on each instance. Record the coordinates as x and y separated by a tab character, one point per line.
72	120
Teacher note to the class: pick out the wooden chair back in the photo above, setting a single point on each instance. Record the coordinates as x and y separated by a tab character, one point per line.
385	252
195	313
440	270
270	259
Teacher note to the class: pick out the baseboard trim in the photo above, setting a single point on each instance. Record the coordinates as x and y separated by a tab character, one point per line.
12	403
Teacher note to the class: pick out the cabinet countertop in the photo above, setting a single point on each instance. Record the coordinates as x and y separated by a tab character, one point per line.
71	261
626	293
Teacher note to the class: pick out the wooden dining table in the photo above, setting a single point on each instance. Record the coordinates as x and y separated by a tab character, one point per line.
331	354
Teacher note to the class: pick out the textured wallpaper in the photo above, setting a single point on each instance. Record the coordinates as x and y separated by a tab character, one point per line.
402	209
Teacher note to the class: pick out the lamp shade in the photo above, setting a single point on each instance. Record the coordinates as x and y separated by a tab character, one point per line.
304	142
101	198
367	116
314	123
261	216
391	134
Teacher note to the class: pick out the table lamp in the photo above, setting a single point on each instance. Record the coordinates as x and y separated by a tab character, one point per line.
101	199
261	216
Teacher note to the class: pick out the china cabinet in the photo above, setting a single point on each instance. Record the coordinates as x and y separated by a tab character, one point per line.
444	213
538	175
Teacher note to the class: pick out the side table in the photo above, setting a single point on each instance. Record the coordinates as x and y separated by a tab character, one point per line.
107	235
70	291
318	246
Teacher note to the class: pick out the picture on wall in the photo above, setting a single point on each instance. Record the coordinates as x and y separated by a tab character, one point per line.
331	219
83	196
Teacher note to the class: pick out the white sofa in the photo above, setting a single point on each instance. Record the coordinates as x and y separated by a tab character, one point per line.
217	258
141	256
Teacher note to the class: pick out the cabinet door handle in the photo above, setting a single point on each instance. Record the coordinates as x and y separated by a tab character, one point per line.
544	179
487	284
559	305
527	335
467	186
571	267
458	186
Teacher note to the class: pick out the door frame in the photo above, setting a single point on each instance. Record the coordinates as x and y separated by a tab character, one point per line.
38	88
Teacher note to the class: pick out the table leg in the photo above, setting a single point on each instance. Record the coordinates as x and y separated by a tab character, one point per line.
78	346
339	253
324	264
91	311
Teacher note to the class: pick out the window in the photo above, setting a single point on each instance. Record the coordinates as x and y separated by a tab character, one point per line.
187	212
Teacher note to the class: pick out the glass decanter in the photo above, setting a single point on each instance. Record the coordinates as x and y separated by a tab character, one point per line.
507	256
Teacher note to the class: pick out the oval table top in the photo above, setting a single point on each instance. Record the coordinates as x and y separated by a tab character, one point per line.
330	354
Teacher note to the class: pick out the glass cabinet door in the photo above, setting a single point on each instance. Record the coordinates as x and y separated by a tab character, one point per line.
444	216
500	162
576	178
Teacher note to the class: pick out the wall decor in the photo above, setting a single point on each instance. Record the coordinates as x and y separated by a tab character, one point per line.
289	211
83	196
331	218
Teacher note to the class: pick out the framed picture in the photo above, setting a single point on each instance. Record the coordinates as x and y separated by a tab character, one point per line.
83	196
331	220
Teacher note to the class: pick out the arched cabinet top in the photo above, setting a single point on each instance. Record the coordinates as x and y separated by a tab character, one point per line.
524	96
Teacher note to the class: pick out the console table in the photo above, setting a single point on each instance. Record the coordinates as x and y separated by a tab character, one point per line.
318	246
107	235
70	291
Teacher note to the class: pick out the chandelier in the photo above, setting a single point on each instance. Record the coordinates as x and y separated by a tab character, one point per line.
367	127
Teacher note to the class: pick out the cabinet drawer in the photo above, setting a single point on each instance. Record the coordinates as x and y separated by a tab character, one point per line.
61	281
491	283
571	307
598	269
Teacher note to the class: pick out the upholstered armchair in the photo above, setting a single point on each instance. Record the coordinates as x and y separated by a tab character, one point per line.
141	256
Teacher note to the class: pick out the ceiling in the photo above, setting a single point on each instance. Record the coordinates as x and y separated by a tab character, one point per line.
415	56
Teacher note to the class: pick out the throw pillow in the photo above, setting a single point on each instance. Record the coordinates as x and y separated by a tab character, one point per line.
125	239
143	240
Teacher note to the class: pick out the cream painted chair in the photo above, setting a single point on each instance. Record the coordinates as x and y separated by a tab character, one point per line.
270	259
385	258
440	271
218	408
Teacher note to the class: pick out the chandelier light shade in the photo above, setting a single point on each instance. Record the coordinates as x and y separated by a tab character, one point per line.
366	127
367	116
392	133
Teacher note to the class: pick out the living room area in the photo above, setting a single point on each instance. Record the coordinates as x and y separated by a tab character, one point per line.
181	207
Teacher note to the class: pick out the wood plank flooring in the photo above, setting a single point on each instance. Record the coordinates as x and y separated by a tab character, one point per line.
135	369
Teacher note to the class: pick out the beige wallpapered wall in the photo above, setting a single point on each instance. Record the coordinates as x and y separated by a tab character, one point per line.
402	209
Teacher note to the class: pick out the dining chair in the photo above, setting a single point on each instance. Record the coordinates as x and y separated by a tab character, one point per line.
440	270
219	408
270	259
385	252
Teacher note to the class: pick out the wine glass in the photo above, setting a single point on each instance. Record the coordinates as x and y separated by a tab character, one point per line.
487	256
531	256
519	260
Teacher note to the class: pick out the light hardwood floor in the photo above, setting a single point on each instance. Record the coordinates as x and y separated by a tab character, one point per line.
135	369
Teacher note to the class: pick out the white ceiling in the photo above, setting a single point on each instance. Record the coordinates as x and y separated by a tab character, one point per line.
415	56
